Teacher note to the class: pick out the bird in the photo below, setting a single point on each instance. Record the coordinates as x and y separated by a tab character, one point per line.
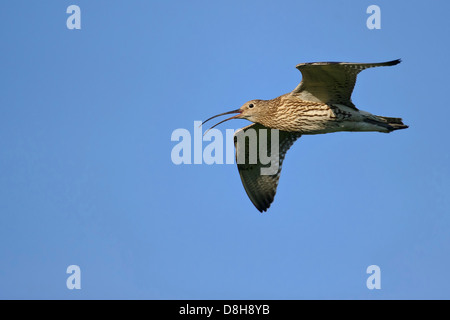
320	104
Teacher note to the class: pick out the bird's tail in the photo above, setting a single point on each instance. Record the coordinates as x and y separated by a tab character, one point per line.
389	123
395	123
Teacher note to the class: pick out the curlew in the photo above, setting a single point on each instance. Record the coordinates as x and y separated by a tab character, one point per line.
321	103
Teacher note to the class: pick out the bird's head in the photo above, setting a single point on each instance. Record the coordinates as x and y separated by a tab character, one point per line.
249	110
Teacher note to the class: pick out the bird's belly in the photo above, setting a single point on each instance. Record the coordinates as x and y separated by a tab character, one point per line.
317	120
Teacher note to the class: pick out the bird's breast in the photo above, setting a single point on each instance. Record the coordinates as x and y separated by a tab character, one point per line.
306	118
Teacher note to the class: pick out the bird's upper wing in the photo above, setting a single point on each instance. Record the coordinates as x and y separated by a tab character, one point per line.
331	82
261	188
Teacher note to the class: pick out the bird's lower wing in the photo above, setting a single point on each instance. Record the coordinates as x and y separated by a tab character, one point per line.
260	153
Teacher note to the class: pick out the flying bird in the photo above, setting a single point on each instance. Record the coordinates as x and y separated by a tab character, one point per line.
321	103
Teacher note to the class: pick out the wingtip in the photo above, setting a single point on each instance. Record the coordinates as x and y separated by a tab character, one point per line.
261	204
394	62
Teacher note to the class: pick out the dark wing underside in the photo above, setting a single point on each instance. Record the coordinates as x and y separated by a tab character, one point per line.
261	188
331	82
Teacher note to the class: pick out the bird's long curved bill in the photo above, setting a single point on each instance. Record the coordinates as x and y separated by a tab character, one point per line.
222	114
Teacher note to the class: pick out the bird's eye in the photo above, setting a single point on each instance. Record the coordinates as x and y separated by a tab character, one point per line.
251	105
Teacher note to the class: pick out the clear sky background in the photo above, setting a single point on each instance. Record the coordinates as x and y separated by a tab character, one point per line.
86	118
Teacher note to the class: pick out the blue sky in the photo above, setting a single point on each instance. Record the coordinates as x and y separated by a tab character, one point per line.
87	178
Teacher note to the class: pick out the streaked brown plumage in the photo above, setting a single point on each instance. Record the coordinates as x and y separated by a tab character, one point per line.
321	103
